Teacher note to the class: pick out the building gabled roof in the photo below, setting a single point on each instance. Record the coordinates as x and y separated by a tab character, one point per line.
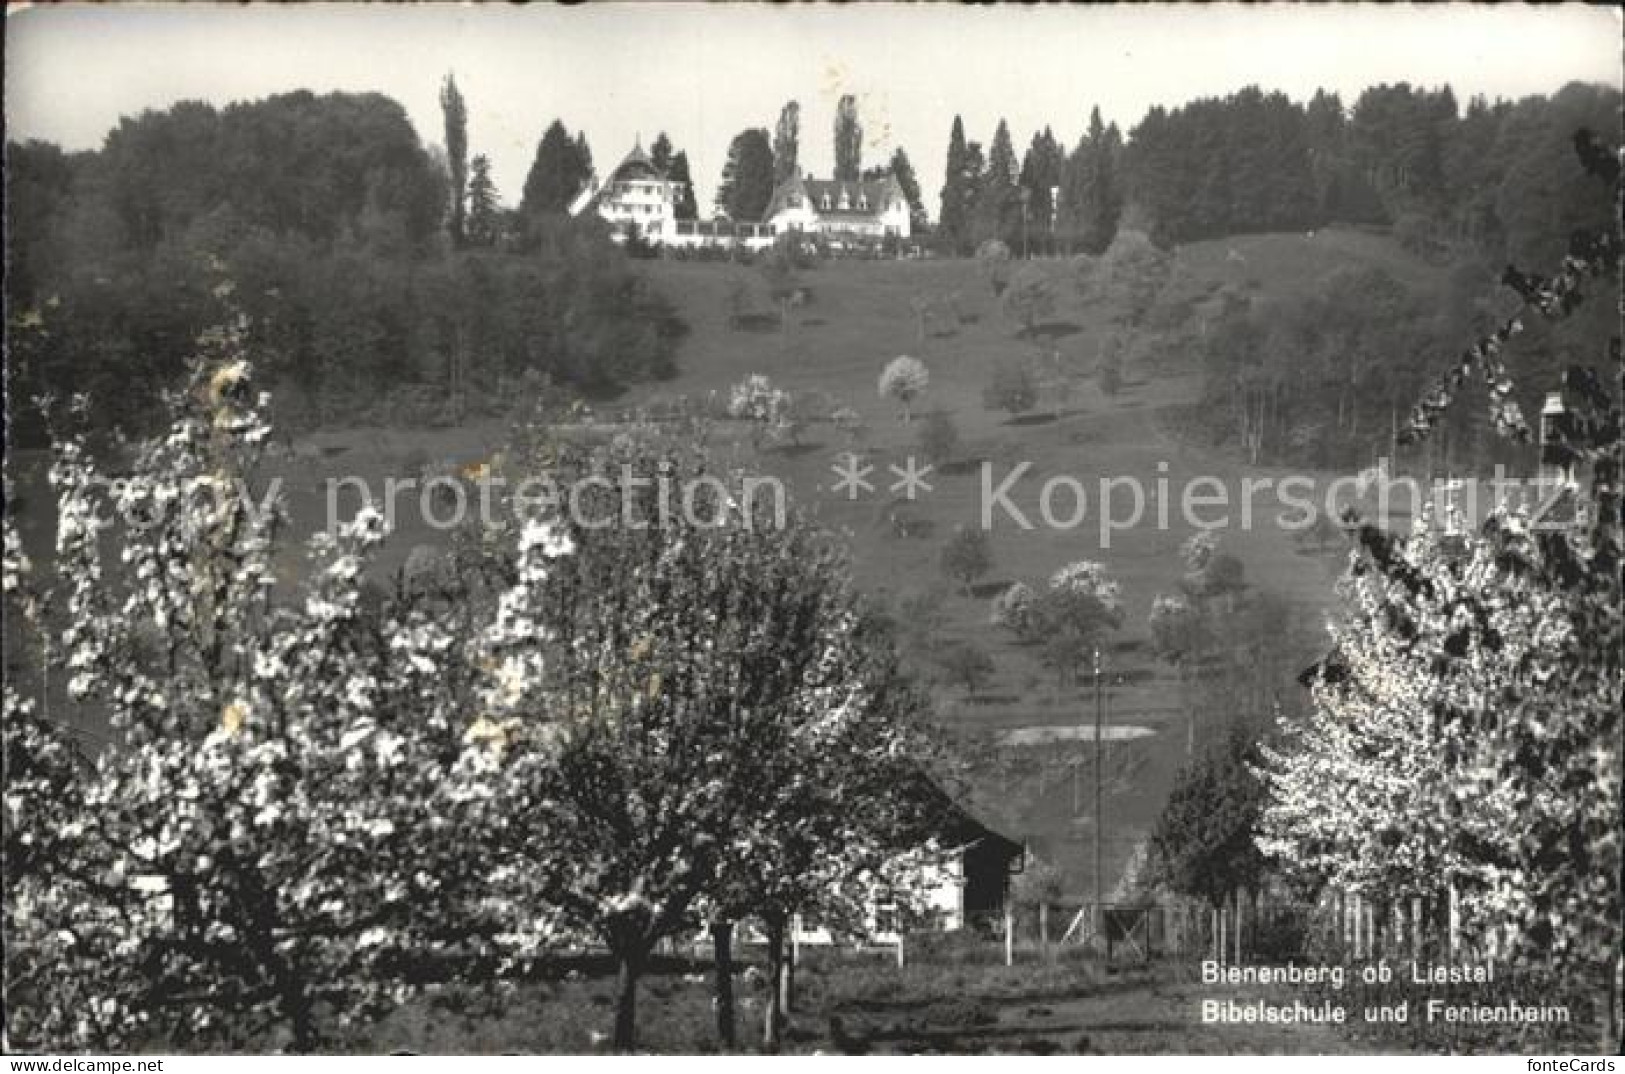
875	193
951	821
637	164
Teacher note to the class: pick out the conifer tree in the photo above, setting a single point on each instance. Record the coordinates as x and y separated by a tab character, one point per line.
455	113
787	142
848	141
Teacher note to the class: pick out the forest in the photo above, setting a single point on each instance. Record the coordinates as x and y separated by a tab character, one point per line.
326	217
375	294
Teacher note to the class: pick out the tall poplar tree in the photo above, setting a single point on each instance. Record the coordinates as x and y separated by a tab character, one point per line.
455	113
787	142
848	141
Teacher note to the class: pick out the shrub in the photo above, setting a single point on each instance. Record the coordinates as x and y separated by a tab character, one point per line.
850	422
966	664
1030	296
1111	376
967	556
1012	389
939	440
1016	611
904	379
993	257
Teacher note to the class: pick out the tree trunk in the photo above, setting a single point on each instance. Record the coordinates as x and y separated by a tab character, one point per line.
773	1026
626	1001
1190	711
722	956
792	955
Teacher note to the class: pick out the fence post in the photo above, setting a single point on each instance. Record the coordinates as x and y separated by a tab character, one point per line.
900	956
1455	921
1009	936
1043	930
1372	940
1354	922
1416	928
1236	899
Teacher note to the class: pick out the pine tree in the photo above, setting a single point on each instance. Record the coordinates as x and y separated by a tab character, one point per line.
482	203
687	207
660	152
787	142
455	113
582	160
562	167
953	219
848	141
747	178
997	212
903	171
1041	173
1092	200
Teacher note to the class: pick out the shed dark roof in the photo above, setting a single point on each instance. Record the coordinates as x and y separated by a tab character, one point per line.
949	819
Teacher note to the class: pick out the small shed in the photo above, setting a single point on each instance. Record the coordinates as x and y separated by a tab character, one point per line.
965	868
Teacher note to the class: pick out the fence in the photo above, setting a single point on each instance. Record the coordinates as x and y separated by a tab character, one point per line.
1259	926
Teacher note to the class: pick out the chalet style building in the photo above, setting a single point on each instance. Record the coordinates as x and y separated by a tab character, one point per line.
637	194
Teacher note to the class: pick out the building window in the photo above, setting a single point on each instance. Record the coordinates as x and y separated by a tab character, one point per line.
863	202
826	203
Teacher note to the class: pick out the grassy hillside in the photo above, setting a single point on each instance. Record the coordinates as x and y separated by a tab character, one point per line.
859	316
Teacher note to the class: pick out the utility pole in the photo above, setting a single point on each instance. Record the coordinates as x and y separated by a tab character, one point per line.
1100	818
1026	195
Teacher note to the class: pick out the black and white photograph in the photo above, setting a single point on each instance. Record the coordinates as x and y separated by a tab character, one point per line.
673	529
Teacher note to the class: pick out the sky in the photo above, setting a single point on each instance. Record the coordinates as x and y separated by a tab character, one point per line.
703	72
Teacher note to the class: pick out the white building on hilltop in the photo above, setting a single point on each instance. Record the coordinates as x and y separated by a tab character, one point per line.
861	212
637	194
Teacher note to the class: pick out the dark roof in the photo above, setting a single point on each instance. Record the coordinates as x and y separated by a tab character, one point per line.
876	191
636	161
951	821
